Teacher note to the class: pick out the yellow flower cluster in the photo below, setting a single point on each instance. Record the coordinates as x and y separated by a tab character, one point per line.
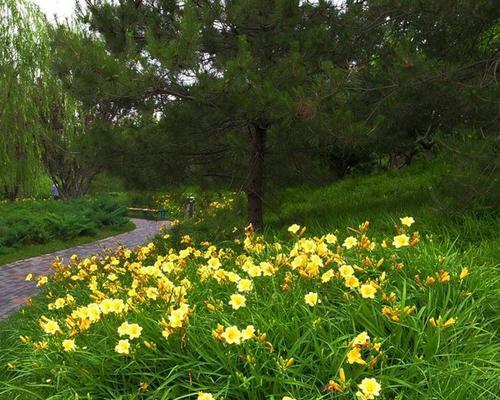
225	202
146	296
311	299
49	326
361	346
205	396
232	335
123	347
443	277
440	322
237	301
133	331
69	345
177	319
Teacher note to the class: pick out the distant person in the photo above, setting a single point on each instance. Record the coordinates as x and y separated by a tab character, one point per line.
55	192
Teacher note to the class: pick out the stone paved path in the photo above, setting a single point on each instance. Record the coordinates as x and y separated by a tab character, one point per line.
15	291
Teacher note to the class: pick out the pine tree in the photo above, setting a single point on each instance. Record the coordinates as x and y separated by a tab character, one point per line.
260	93
228	80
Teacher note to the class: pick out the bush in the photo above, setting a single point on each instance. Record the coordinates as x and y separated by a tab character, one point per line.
311	318
471	180
40	221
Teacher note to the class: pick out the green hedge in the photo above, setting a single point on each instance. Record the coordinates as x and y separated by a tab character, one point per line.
40	221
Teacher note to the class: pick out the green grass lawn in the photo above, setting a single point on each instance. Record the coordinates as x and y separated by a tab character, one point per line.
34	250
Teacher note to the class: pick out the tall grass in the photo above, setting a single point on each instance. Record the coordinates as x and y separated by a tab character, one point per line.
381	198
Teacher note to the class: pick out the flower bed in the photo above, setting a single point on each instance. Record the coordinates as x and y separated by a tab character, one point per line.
335	316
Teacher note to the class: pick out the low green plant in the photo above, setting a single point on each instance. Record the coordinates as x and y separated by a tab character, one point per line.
34	250
28	222
382	198
209	206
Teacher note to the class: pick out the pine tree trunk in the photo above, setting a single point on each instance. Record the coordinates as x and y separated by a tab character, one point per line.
255	187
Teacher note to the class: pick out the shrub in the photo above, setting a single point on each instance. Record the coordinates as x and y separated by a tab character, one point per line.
211	206
39	221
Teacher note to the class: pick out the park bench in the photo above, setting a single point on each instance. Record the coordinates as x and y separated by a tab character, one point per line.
150	212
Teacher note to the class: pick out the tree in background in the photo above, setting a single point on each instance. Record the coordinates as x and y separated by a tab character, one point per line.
258	94
75	130
23	67
67	151
43	130
425	67
230	85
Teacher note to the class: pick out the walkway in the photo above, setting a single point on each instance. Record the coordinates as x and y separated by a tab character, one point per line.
15	291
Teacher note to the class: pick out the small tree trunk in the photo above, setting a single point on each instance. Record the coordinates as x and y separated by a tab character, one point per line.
341	166
72	182
11	192
393	160
255	186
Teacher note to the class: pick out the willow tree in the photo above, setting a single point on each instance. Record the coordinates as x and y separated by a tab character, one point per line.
23	68
67	148
43	129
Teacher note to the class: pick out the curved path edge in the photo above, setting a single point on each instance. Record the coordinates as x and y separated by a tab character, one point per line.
15	290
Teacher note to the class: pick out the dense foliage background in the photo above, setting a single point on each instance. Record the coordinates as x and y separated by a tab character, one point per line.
253	96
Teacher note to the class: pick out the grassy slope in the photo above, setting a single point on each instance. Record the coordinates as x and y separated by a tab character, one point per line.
56	245
382	199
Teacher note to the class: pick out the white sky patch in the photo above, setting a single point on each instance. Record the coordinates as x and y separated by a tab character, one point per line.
60	9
